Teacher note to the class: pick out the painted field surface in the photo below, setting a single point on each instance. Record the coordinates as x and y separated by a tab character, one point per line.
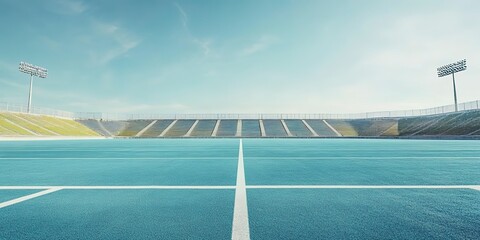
194	189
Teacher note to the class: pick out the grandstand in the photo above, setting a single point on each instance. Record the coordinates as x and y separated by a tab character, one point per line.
464	123
429	123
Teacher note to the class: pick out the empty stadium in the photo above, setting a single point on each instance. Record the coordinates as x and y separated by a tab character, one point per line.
252	119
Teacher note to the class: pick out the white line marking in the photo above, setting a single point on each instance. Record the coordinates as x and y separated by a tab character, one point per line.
332	128
356	157
240	227
315	134
113	187
215	129
124	158
145	128
476	188
364	186
28	197
189	132
285	127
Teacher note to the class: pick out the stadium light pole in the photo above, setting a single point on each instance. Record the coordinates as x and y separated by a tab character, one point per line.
32	70
452	68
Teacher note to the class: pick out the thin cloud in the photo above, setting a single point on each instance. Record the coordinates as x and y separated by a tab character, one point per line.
123	41
203	44
68	7
261	44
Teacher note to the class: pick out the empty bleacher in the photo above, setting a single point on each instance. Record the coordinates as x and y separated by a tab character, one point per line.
321	128
204	128
133	127
114	127
180	128
298	128
227	128
96	126
344	127
157	128
251	128
274	128
372	127
453	124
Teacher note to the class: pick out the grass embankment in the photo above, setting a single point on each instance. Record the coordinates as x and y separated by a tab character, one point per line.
18	124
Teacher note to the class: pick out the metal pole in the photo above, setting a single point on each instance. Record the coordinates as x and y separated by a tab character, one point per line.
30	95
455	92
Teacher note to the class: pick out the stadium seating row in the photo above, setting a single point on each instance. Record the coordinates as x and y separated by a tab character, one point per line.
242	128
464	123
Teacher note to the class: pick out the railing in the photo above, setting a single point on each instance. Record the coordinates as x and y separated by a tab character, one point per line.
474	105
10	107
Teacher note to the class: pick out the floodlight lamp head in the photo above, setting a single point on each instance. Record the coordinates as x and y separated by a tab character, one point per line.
452	68
33	70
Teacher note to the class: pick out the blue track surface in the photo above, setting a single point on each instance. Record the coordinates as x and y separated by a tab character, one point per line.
364	214
273	213
121	214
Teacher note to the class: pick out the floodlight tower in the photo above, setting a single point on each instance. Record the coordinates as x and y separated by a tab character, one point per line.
452	69
33	71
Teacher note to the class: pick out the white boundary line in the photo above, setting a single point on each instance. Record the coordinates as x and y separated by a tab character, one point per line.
113	187
240	226
28	197
229	157
476	187
125	158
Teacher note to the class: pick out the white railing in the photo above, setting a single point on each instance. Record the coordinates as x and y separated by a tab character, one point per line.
9	107
18	108
474	105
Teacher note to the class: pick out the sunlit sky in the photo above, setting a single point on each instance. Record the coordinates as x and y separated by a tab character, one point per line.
231	56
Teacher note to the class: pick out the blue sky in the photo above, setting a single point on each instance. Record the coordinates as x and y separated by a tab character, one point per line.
239	56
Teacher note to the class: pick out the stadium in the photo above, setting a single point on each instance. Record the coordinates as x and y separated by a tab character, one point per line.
368	160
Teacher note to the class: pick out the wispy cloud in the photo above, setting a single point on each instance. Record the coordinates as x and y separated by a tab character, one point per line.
262	43
68	7
203	44
123	41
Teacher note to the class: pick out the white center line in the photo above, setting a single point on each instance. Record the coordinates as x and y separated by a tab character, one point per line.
28	197
240	228
476	188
